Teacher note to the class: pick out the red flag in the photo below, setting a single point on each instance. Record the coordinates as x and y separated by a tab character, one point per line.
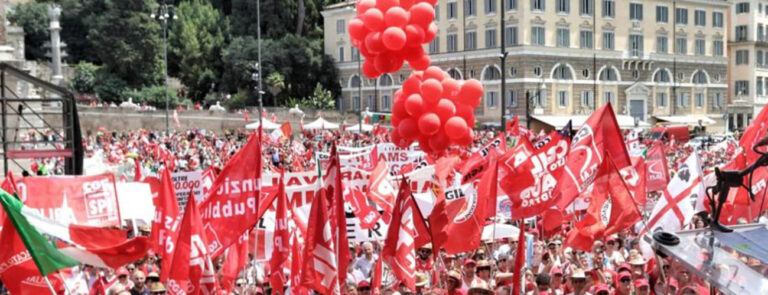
280	242
320	269
512	128
9	186
18	270
236	260
517	279
99	286
478	161
231	206
657	174
399	246
378	273
487	188
598	138
246	115
753	133
367	214
333	190
465	213
381	191
636	182
165	225
610	210
296	263
438	219
191	269
137	174
531	178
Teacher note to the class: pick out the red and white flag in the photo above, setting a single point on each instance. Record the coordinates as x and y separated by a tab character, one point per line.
366	213
281	240
471	168
458	218
381	191
400	245
235	261
376	278
674	209
167	217
657	173
192	271
280	133
320	269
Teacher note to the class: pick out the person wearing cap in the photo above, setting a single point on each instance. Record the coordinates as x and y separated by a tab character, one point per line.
453	283
612	254
484	272
642	287
623	283
122	284
578	282
468	277
152	277
157	288
139	283
602	289
364	288
556	281
480	288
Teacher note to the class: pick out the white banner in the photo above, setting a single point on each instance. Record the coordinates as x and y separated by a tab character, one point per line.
184	182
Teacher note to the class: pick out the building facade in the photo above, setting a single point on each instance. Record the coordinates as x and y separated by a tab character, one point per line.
748	62
650	59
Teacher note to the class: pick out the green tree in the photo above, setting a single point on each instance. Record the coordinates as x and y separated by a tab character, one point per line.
197	39
33	17
278	18
85	78
154	96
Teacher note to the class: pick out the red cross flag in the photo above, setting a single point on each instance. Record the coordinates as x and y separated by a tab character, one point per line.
675	209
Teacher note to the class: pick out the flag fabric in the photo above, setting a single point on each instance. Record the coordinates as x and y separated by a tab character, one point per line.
471	168
380	189
517	278
235	261
280	133
438	219
461	224
320	269
657	176
8	185
399	247
487	187
296	263
167	215
634	146
512	127
138	176
246	115
376	278
230	209
636	181
599	136
366	213
192	271
753	133
281	239
610	210
334	191
674	209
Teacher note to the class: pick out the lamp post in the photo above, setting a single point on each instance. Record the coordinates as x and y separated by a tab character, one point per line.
503	57
163	14
531	103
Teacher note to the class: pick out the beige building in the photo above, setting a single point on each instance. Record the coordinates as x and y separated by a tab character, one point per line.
748	62
653	60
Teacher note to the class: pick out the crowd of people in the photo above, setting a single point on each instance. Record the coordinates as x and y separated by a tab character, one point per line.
615	265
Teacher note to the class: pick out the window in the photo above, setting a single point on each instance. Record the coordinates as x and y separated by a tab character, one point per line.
661	44
512	71
700	18
608	74
356	103
454	73
699	98
511	4
662	14
681	16
437	12
635	74
562	6
760	33
742	57
472	73
563	37
562	98
369	102
470	7
434	45
385	102
340	27
718	100
585	7
453	42
510	36
490	6
537	71
681	45
717	19
585	39
341	53
492	73
700	47
608	40
512	98
759	86
759	58
683	99
587	99
470	40
741	87
661	76
355	54
699	78
661	99
451	10
355	81
490	38
635	11
717	48
609	97
585	73
609	8
741	33
562	73
492	99
537	5
742	7
537	36
635	45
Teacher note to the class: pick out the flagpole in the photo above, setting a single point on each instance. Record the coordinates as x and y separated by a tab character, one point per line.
62	280
50	287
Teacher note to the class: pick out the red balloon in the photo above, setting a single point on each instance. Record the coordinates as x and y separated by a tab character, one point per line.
430	33
411	85
422	14
434	72
387	62
431	2
406	4
374	44
429	124
414	35
431	90
414	105
450	88
393	38
385	5
408	129
397	139
424	144
455	127
445	109
410	53
439	142
466	139
465	112
420	64
369	70
418	74
364	5
398	111
357	29
471	92
396	17
373	19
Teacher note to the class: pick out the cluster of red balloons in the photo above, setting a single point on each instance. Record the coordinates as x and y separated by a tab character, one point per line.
435	110
390	32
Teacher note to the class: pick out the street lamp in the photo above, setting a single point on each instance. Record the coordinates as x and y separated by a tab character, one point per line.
532	103
164	13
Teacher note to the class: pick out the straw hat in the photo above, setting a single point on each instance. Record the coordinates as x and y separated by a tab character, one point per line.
480	287
157	287
421	279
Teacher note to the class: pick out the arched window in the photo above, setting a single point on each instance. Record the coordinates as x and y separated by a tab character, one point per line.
385	80
355	81
608	74
699	78
492	73
454	73
562	73
661	76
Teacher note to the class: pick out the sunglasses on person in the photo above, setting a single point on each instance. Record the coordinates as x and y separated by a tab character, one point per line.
610	243
158	292
625	280
578	281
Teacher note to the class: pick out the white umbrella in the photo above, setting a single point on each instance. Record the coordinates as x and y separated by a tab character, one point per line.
320	123
502	231
268	125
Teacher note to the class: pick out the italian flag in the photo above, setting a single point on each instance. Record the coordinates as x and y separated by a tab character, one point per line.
280	133
101	247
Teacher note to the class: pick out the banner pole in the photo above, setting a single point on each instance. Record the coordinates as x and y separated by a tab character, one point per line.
50	287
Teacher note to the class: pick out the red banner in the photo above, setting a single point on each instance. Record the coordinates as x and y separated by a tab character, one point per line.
83	200
657	175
